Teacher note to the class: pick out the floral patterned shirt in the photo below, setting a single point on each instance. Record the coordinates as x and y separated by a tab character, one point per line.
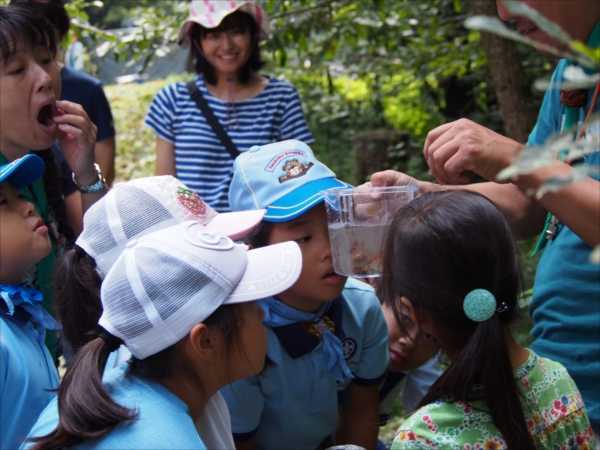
554	411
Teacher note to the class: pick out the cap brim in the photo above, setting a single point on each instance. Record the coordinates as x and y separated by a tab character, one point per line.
24	171
301	199
236	224
270	271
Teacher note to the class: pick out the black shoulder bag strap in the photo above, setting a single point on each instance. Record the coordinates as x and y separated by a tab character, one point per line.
212	119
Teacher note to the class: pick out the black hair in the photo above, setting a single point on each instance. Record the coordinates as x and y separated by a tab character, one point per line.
440	247
77	304
86	409
20	23
259	236
54	11
237	20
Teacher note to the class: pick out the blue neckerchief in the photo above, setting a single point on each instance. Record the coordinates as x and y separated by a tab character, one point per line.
279	315
28	299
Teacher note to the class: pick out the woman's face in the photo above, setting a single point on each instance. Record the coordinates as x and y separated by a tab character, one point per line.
249	358
29	88
227	50
410	346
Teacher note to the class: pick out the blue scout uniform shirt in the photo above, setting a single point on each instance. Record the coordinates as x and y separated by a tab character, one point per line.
293	402
163	421
565	307
27	373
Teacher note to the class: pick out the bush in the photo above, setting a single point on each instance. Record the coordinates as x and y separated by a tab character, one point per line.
136	143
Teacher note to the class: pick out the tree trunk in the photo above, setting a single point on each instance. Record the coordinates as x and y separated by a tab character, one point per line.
508	75
379	150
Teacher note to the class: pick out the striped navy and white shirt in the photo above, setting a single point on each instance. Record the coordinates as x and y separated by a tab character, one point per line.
201	161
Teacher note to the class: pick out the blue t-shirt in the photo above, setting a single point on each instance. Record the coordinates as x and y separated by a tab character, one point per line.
293	402
163	420
201	161
565	307
27	373
85	90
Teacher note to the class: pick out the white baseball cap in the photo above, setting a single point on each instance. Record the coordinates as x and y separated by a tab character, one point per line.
166	282
138	207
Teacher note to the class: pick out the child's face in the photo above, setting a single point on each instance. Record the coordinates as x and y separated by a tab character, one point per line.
29	87
409	345
250	359
24	239
318	282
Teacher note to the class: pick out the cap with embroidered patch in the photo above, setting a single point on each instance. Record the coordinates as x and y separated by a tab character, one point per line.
138	207
166	282
284	178
23	171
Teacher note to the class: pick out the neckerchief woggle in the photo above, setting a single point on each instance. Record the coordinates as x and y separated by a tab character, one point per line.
30	300
278	314
571	119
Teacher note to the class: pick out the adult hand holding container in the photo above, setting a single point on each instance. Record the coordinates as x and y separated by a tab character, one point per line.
358	220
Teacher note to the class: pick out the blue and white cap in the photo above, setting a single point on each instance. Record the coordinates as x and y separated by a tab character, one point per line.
284	178
23	171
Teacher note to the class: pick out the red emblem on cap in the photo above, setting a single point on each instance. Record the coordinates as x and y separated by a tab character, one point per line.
191	201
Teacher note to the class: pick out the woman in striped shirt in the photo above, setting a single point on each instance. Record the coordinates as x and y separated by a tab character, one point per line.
253	109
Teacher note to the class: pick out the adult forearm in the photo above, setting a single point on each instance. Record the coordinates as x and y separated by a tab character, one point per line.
525	214
577	204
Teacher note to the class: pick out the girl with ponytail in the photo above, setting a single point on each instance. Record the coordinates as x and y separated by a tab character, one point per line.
451	266
128	212
32	119
181	299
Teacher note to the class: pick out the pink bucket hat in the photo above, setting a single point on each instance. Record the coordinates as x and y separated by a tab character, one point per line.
210	14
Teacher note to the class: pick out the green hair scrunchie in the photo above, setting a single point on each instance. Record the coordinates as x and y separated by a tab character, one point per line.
479	305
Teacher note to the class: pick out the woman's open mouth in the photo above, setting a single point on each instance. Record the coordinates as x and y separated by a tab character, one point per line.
46	114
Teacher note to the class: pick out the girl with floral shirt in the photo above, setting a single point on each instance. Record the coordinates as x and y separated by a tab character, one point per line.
451	265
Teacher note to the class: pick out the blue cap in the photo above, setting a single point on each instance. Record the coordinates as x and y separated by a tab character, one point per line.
23	171
284	178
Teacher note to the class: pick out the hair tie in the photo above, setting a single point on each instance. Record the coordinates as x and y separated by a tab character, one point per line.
112	341
480	305
503	307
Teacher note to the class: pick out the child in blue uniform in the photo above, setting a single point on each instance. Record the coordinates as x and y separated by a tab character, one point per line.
414	366
27	371
129	211
324	330
178	300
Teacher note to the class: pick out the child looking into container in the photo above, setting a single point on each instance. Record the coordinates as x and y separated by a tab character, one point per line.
324	330
129	211
451	266
27	372
177	299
